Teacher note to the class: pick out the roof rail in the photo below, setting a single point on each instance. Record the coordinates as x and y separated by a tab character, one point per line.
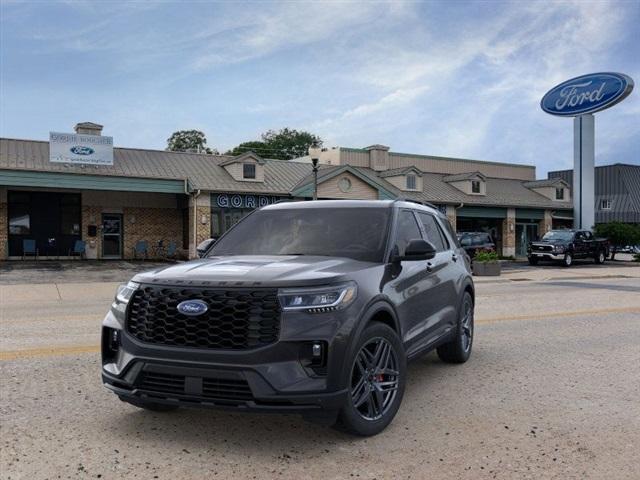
406	199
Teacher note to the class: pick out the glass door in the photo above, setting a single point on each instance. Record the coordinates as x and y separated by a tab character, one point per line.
525	233
111	235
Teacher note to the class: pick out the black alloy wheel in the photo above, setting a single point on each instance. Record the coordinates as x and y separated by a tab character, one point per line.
374	379
458	350
375	376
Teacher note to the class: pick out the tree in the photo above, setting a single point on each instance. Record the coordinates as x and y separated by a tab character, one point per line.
188	141
257	147
284	144
619	234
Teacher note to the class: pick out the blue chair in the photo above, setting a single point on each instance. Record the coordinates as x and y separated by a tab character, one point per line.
79	248
29	248
172	249
142	249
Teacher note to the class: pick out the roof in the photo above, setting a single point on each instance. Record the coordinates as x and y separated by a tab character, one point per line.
547	182
393	172
89	125
241	158
203	171
463	176
281	177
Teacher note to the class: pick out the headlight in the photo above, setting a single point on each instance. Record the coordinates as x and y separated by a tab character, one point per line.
124	293
318	300
559	248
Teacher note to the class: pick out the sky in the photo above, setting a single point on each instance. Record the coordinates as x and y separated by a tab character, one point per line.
446	78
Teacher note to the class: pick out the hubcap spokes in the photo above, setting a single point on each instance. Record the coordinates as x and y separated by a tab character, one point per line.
467	327
374	379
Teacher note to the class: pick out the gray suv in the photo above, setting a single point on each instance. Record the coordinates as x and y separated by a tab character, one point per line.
307	307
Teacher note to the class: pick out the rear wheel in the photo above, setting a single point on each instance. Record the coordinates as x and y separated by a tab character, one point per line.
152	406
567	261
376	382
459	349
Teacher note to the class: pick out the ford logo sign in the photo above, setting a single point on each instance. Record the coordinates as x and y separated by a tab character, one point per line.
587	94
79	150
192	307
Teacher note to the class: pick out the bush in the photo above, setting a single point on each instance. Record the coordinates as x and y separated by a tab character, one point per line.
619	234
486	257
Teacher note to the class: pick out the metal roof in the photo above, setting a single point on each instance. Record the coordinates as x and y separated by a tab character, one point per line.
463	176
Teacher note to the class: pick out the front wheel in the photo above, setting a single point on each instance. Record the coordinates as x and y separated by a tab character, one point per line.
376	381
600	257
567	261
533	261
458	350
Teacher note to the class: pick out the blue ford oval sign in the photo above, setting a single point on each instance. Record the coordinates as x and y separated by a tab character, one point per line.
587	94
192	307
80	150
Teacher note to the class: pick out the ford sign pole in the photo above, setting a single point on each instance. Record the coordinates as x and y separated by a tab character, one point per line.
580	97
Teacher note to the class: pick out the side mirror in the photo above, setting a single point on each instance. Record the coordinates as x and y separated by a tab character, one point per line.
418	249
204	247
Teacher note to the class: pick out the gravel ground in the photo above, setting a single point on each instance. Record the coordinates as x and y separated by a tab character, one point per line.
551	391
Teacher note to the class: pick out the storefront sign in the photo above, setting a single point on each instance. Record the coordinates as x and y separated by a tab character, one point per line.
241	200
587	94
80	149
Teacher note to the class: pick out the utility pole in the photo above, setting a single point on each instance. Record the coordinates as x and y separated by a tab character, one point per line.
314	153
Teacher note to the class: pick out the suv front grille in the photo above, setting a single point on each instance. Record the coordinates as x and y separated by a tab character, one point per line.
227	389
235	320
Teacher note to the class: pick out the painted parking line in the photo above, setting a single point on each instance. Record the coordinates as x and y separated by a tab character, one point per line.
74	350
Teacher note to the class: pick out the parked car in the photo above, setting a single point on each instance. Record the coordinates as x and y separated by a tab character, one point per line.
307	307
474	242
565	246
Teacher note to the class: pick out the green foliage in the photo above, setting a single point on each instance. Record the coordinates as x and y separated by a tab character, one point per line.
188	141
619	234
284	144
483	257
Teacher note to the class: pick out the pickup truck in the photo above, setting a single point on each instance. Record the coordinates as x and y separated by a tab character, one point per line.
564	246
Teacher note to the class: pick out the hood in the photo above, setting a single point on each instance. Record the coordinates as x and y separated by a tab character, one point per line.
256	271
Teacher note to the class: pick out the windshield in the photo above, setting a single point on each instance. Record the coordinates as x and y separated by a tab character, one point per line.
358	233
558	235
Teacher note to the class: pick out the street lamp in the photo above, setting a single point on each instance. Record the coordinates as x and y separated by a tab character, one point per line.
314	153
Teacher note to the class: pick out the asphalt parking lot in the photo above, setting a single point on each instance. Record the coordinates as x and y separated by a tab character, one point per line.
551	391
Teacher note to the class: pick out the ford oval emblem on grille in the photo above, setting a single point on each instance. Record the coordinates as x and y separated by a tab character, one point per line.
192	307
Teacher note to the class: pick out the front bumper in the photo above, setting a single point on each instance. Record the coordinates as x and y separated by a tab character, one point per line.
546	255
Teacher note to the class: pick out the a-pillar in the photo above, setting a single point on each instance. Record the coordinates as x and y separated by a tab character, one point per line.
509	234
200	225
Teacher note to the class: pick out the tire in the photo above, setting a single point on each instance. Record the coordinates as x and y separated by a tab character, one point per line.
568	260
151	406
366	412
533	261
458	350
600	257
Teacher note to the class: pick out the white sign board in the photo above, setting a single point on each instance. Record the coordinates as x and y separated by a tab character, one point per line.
77	149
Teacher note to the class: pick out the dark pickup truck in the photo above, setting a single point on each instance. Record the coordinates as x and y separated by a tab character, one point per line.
564	246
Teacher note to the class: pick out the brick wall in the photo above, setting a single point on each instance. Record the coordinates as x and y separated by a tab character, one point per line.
152	225
509	233
4	241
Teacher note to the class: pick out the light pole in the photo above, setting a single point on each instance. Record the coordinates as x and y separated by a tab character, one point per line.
314	153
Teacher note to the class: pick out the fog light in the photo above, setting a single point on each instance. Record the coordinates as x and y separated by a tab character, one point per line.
316	350
114	340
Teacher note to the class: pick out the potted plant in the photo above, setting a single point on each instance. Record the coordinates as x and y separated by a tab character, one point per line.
486	264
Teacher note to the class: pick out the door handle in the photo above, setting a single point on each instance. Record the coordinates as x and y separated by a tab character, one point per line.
429	267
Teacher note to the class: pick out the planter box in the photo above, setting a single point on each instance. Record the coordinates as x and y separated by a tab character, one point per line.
486	269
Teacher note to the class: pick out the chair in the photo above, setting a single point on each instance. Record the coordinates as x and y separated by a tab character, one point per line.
141	248
29	248
172	249
79	248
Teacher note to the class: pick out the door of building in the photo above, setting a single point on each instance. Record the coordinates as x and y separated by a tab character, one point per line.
111	235
525	233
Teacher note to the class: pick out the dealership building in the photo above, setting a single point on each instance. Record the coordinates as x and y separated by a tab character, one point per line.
114	198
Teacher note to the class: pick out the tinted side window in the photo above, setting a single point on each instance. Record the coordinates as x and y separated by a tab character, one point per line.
433	232
407	230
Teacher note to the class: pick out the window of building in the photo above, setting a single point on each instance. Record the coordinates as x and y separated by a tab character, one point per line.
411	182
19	213
434	234
605	204
407	230
475	186
249	170
560	193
